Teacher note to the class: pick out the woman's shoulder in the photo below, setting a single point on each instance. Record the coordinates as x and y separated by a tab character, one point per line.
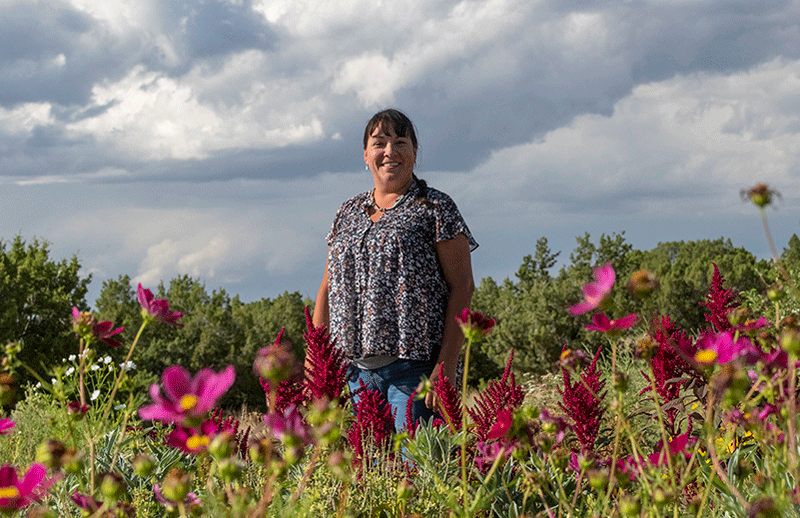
355	202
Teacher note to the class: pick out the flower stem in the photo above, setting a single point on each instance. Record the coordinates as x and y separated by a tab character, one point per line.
122	370
464	377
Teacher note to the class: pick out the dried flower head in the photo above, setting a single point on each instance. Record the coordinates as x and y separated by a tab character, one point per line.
642	283
760	194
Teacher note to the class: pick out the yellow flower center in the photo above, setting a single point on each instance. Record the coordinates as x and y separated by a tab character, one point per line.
196	441
9	492
705	356
565	353
188	401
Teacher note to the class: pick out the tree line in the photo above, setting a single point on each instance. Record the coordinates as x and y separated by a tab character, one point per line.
37	294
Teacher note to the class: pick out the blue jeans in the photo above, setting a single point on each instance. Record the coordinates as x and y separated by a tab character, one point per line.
396	381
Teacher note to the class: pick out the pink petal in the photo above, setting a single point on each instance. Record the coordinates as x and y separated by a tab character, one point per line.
144	296
605	276
625	322
33	478
177	382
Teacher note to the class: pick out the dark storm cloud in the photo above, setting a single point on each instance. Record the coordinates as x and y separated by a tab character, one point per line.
52	52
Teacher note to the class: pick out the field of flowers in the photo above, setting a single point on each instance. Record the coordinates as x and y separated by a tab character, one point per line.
656	423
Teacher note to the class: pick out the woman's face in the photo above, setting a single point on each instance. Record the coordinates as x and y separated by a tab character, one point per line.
390	158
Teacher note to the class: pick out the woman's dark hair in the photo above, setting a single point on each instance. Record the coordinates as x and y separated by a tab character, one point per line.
403	127
398	120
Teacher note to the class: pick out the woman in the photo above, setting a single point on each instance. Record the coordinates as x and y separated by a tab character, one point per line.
397	274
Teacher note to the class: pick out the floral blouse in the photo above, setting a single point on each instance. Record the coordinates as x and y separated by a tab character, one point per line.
387	292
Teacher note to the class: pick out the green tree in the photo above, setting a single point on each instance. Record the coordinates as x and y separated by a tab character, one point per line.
37	294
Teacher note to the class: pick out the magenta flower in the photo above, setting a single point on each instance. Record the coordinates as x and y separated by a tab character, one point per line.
90	330
86	503
187	399
157	309
595	293
505	418
722	348
194	440
289	427
602	323
6	425
16	494
675	446
474	324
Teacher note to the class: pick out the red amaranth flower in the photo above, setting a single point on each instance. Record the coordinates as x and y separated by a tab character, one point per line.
157	309
374	424
186	399
720	302
498	395
596	293
449	398
326	366
582	401
673	353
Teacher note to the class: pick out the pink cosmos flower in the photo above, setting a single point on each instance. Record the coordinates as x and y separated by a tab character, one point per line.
722	348
157	309
594	293
87	327
289	427
6	425
194	440
600	322
16	494
187	399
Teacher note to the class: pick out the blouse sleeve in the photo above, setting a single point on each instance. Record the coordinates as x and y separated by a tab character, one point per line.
449	222
332	231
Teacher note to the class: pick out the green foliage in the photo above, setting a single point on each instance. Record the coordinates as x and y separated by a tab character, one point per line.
532	316
37	295
218	330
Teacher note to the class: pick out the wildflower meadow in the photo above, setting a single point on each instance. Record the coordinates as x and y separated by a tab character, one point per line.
654	420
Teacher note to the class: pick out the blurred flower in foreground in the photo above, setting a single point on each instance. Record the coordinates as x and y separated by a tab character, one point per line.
596	293
602	323
6	425
722	348
276	362
76	410
760	194
157	309
642	283
90	330
16	494
474	325
191	500
187	399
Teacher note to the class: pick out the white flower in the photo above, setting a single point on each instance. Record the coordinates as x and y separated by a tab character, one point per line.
95	394
69	371
129	365
120	407
107	360
111	367
95	367
71	357
53	381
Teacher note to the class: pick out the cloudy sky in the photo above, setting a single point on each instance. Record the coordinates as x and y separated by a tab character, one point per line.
217	138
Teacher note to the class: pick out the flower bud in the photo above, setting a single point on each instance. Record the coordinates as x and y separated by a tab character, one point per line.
642	284
221	446
50	453
598	479
229	470
621	382
661	497
759	194
72	461
257	450
645	349
112	486
763	508
776	294
629	506
143	465
176	485
276	362
76	411
790	341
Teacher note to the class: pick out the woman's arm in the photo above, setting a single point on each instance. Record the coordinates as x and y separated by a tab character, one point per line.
456	264
321	314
